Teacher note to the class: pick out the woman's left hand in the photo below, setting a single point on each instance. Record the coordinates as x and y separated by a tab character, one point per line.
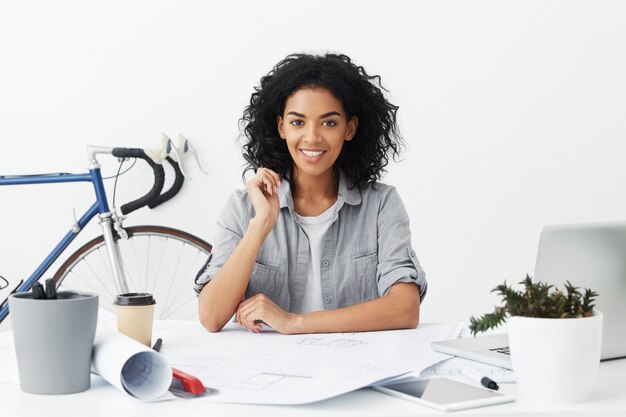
259	308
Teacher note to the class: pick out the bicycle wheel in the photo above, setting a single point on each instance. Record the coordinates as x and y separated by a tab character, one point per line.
159	260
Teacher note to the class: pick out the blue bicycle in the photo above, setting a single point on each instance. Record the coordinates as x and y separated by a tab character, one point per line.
156	259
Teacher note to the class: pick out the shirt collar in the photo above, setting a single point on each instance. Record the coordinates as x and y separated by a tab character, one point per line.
346	195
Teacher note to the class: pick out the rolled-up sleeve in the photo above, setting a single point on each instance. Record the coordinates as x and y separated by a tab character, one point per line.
397	261
230	224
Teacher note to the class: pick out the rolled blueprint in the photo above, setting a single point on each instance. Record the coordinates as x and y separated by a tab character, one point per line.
129	365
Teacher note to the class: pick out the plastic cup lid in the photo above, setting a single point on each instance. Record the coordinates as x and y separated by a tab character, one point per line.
134	299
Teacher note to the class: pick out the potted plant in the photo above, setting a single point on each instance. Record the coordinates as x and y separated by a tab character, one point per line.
555	339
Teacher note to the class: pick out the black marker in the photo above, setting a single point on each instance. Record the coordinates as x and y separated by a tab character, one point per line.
476	376
38	293
51	290
157	344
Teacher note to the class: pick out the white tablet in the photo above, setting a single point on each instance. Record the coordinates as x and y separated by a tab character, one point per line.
444	393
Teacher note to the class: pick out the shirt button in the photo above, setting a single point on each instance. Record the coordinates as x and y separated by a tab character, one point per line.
328	300
325	263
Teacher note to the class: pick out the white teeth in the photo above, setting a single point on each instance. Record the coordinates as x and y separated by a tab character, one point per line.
312	154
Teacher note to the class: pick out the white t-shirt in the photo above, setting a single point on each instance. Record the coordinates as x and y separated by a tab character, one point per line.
315	228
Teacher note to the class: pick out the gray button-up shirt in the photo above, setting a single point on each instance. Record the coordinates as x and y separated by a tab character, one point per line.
365	251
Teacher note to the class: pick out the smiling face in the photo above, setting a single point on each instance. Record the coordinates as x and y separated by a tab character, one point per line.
315	126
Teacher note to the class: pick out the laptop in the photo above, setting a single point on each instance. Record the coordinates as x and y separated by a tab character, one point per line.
589	256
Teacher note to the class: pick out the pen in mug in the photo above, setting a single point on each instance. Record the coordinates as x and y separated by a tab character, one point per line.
51	290
476	376
256	166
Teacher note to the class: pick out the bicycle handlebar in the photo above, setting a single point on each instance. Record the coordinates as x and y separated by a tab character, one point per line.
174	189
154	157
159	179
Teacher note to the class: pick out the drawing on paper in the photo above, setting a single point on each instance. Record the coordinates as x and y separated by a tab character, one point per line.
322	341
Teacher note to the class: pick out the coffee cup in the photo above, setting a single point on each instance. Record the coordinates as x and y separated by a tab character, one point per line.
54	341
135	313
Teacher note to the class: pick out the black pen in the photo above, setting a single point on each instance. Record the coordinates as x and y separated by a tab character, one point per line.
38	293
476	376
51	290
254	165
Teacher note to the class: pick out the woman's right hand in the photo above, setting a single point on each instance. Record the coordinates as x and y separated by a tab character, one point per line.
263	192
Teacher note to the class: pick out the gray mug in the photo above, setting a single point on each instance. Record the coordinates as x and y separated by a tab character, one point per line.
54	340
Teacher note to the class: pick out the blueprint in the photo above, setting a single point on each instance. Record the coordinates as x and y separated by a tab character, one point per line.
264	368
270	368
130	366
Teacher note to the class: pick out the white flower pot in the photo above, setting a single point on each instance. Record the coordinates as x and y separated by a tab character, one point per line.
555	360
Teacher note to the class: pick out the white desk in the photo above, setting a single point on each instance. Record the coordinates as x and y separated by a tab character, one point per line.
608	399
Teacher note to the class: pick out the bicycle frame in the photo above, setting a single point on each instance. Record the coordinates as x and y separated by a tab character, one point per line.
100	207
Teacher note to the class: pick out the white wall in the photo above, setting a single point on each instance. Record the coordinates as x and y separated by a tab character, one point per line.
514	113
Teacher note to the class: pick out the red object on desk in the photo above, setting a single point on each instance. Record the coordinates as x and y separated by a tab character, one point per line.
190	383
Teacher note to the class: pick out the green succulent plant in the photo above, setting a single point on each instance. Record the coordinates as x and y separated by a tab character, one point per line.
537	299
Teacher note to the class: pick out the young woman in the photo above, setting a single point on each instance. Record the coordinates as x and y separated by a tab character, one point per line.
314	244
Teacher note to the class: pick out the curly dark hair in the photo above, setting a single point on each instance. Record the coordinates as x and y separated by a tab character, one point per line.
363	159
